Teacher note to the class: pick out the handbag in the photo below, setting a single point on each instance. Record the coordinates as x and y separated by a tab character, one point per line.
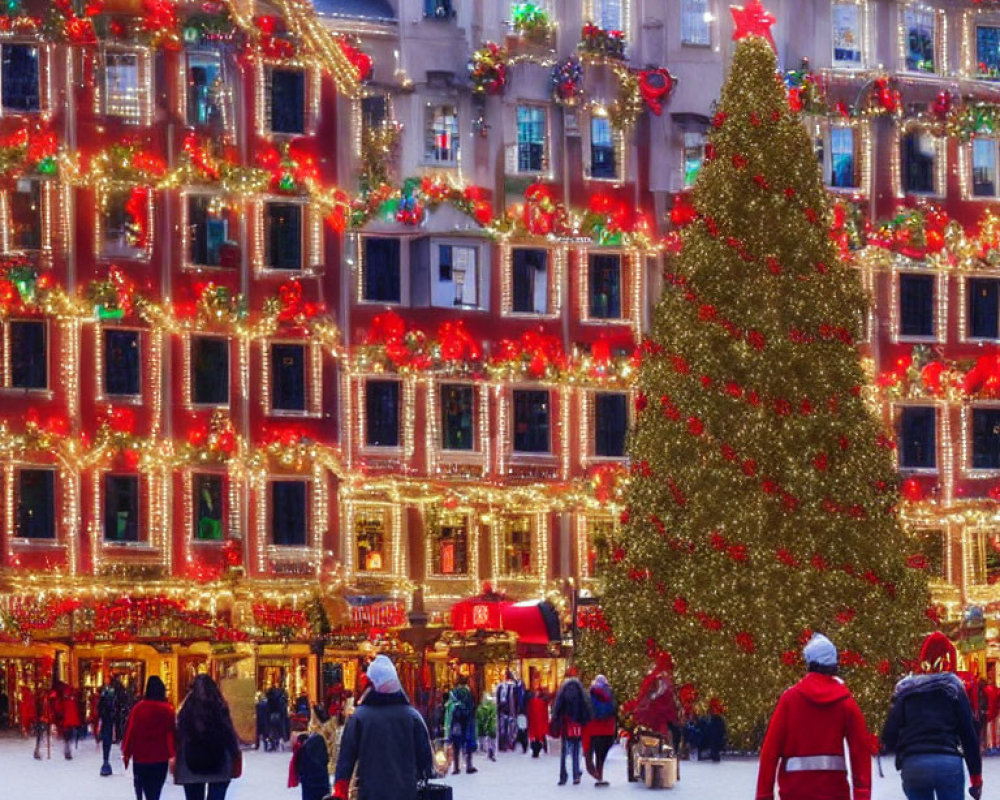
433	791
555	728
574	730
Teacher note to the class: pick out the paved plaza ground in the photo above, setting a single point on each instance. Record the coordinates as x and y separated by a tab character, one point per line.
513	777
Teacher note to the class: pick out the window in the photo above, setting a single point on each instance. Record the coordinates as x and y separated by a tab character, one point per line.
608	14
370	541
601	537
530	280
288	513
209	370
374	113
288	377
36	504
26	215
916	305
605	286
986	438
988	52
457	285
208	504
382	270
845	19
842	168
121	362
531	139
457	417
28	367
288	101
442	135
919	157
382	413
125	223
694	155
438	9
283	236
121	86
602	149
19	84
451	549
515	560
930	544
917	441
984	297
984	167
206	90
918	30
121	508
210	243
531	421
610	424
695	19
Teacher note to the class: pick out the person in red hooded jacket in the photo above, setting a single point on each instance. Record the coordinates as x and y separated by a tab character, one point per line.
807	732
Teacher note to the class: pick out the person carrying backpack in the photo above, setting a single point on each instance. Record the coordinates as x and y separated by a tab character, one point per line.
599	733
461	724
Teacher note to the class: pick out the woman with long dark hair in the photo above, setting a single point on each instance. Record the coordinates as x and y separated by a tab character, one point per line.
208	751
149	740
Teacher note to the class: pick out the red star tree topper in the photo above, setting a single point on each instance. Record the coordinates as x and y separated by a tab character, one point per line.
753	20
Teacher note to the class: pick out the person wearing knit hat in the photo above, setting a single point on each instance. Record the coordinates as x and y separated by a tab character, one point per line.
930	728
804	745
386	740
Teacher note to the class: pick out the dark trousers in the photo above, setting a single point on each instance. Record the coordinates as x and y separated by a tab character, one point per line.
598	753
148	779
196	791
458	744
315	792
106	742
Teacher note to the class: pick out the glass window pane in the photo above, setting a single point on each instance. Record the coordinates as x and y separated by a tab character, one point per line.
19	82
288	101
121	362
984	296
988	52
35	517
382	413
917	442
918	28
516	556
531	421
370	541
28	367
609	15
602	149
610	424
984	167
605	286
530	280
451	548
121	85
986	438
842	167
209	370
206	91
442	134
26	215
283	236
694	155
919	155
530	139
288	513
288	377
694	22
916	305
208	504
846	28
382	270
458	415
121	508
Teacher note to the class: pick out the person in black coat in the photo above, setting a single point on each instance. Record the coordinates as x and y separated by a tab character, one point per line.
930	727
107	713
570	712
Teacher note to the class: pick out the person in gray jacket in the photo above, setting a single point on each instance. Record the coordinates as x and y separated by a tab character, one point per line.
386	739
208	750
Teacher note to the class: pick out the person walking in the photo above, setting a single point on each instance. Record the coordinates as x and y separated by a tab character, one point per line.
930	728
461	724
208	750
537	710
807	732
486	725
106	724
570	712
42	721
65	714
386	739
149	740
310	765
599	733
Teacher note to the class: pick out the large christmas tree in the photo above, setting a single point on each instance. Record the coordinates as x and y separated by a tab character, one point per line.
762	504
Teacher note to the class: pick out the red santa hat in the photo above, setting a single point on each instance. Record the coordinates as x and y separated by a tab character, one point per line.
937	654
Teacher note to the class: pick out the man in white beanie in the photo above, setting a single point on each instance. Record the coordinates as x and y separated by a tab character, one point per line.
386	739
807	734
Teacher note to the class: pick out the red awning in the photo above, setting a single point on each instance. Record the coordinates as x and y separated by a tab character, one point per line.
530	621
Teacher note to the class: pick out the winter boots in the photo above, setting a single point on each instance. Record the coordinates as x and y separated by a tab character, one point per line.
105	769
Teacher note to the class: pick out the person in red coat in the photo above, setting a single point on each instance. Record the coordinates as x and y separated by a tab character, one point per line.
807	732
149	740
537	711
26	704
65	713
